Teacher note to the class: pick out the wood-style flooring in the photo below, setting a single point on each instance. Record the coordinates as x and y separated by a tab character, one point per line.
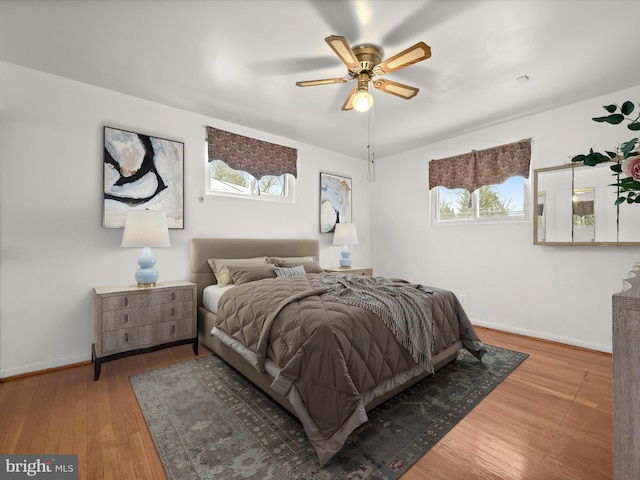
550	419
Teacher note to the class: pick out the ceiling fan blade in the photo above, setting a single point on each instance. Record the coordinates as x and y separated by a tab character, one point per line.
398	89
348	104
414	54
339	45
326	81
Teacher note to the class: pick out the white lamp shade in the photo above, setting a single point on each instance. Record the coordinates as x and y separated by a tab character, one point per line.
345	234
146	228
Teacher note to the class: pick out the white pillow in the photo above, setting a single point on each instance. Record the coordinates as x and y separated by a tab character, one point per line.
221	270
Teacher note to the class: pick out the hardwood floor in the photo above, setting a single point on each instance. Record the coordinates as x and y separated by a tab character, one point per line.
550	419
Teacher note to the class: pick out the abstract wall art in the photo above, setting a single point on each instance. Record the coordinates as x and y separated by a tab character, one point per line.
335	201
141	171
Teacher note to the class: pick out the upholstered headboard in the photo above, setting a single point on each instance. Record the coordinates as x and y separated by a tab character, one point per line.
202	249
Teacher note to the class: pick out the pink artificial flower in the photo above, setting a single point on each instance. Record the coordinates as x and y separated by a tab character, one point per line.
631	167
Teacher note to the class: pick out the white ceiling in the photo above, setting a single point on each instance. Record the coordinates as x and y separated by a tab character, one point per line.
238	60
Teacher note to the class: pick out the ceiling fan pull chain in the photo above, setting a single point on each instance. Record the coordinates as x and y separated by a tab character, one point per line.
371	154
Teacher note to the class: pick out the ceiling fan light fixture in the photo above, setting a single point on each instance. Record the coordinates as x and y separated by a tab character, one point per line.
362	101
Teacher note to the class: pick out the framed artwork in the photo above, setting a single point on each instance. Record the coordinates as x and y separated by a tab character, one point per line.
335	201
141	171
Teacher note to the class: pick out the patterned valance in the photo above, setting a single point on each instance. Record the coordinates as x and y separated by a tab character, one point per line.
485	167
253	156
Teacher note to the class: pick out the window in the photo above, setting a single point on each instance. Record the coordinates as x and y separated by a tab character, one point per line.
505	201
249	168
485	185
224	180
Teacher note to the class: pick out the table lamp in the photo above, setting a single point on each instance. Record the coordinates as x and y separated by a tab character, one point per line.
345	234
146	229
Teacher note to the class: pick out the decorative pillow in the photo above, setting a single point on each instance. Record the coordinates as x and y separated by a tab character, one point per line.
309	267
296	260
246	274
221	270
289	272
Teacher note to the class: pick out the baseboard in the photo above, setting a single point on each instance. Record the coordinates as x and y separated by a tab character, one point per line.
43	367
543	336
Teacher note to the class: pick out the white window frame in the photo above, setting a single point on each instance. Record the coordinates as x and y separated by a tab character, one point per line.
252	192
435	210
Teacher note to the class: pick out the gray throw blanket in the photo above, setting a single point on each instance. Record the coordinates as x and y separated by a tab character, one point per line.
399	304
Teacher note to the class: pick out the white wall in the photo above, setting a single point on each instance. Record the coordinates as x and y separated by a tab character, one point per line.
557	293
53	247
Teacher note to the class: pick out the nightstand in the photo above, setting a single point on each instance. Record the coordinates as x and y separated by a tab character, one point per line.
367	271
130	320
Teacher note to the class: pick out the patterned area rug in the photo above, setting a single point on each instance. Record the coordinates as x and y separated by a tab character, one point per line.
209	422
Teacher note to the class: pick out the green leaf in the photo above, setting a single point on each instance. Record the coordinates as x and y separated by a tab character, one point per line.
628	183
594	158
637	200
610	108
619	200
634	126
627	147
611	154
627	107
578	158
615	119
616	168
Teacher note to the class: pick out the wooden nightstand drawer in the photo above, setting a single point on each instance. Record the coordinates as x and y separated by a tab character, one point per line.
131	319
169	311
170	331
368	271
172	295
116	340
116	302
124	318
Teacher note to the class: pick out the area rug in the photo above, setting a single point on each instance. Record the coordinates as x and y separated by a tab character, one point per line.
209	422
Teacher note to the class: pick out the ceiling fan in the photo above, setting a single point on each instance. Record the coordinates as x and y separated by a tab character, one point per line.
364	65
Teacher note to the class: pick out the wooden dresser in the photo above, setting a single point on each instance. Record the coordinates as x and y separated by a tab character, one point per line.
626	384
626	378
131	320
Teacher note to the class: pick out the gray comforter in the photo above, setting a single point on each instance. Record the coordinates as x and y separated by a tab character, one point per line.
338	343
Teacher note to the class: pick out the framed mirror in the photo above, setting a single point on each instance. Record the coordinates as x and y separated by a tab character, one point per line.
575	205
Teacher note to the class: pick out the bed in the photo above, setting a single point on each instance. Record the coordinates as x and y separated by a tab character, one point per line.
327	347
